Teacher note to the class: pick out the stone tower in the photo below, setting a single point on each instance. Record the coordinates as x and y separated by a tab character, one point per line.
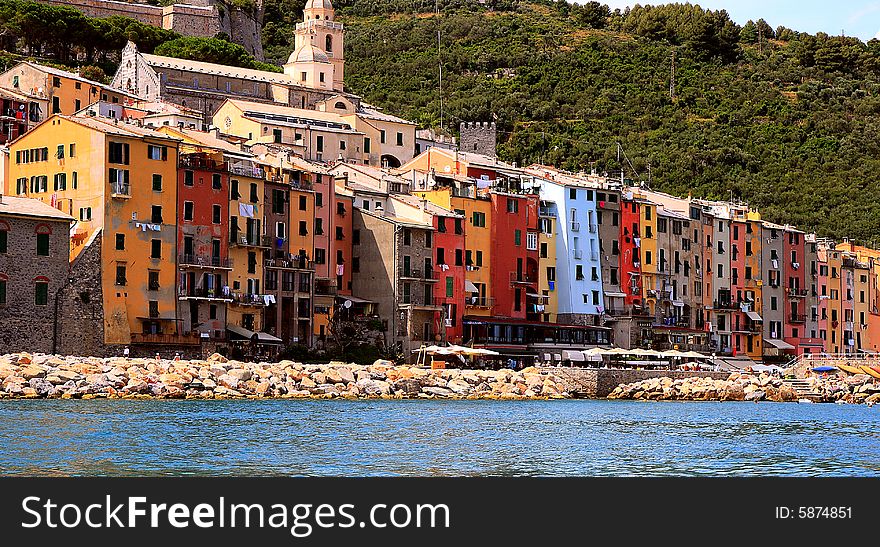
319	41
478	138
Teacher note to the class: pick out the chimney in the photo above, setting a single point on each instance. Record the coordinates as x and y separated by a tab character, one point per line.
424	204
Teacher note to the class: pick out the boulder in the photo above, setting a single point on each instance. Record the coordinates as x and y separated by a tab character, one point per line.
374	387
173	379
32	371
319	378
217	358
307	383
25	358
459	386
262	388
63	376
240	374
228	381
407	387
345	374
382	363
438	391
42	386
754	395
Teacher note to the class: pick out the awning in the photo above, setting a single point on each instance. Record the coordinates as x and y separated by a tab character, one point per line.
547	357
356	300
778	344
470	287
557	356
240	332
572	355
615	294
678	303
753	315
538	296
266	338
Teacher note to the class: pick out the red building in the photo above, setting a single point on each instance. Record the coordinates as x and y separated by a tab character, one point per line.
514	262
796	290
203	243
450	269
17	116
630	255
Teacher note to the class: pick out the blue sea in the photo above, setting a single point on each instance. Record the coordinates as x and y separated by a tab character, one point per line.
436	438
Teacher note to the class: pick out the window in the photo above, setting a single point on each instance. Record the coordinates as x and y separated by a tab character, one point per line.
217	211
647	257
342	145
75	179
159	153
2	292
303	228
252	262
321	76
551	273
366	145
188	210
428	239
280	230
157	183
320	256
572	193
648	232
647	213
595	298
188	178
60	181
407	236
319	226
479	219
303	203
59	152
340	235
120	275
120	242
479	258
615	247
340	209
85	213
382	136
532	241
614	280
156	214
56	105
450	287
155	248
153	280
579	272
42	244
720	271
517	238
399	139
319	143
512	205
303	76
118	153
233	189
458	257
216	181
279	197
41	293
255	197
276	135
543	250
661	225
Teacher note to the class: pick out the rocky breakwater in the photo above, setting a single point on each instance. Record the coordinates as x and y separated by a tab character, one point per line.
859	388
47	376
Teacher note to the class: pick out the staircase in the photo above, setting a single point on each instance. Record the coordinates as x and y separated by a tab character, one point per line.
803	389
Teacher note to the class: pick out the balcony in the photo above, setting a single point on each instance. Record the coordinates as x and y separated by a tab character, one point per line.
577	254
201	164
415	274
616	312
247	299
325	289
203	293
592	228
251	240
295	263
165	339
547	212
522	278
797	318
796	292
575	226
204	261
243	171
120	190
479	302
724	305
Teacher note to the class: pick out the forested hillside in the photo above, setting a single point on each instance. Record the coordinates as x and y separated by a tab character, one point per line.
785	120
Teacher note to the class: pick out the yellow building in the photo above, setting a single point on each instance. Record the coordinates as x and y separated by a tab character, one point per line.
651	279
121	180
547	260
834	331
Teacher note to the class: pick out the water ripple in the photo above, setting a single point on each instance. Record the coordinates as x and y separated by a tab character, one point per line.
436	438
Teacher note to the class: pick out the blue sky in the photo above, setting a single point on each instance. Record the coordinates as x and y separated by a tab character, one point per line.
860	18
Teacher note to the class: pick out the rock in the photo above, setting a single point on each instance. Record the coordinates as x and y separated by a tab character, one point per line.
240	374
459	386
319	378
63	376
307	383
172	379
438	391
208	383
217	358
374	387
345	375
32	371
755	395
42	386
407	387
733	392
228	381
262	388
25	358
873	399
382	363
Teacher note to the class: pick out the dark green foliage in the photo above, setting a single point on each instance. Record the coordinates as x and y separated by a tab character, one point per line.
790	124
212	50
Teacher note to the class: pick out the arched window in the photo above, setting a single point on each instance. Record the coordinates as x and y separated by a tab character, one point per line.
43	229
328	43
340	105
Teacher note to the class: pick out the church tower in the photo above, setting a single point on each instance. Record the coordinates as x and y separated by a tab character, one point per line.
318	48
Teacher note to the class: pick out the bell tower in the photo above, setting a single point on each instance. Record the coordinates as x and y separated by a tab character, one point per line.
320	30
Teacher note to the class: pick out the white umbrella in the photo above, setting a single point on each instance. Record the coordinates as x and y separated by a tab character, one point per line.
616	351
673	353
695	355
592	352
645	352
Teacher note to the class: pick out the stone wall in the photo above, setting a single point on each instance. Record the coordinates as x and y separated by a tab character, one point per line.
24	325
599	382
478	138
81	313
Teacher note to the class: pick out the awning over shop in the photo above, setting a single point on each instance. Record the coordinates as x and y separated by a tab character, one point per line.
573	355
240	332
266	338
615	294
778	344
753	316
470	287
357	300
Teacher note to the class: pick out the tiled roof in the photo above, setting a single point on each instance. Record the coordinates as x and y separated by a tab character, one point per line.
29	207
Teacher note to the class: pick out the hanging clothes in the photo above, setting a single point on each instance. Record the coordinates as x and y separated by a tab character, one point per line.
340	269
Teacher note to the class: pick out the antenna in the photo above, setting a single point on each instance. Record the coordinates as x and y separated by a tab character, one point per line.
672	78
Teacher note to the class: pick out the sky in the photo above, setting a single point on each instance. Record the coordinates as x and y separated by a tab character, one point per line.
860	18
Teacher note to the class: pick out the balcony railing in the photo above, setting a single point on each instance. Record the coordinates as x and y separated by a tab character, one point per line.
289	264
201	164
204	261
248	299
322	289
575	226
203	292
592	228
244	171
245	240
724	305
165	339
797	318
417	274
521	277
480	302
120	190
547	212
796	292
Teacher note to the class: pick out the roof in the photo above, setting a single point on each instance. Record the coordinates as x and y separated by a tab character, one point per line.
308	53
115	127
370	112
431	208
208	139
278	114
318	4
30	207
11	93
389	217
74	76
218	70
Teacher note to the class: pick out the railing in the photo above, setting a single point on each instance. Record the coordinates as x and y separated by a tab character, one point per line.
248	299
165	339
724	305
575	226
592	228
416	273
325	290
797	318
578	254
244	240
547	212
120	189
253	172
203	292
616	312
204	261
520	277
289	264
796	292
479	302
202	164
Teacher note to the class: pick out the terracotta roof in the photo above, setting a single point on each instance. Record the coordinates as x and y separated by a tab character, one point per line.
29	207
122	129
74	76
217	70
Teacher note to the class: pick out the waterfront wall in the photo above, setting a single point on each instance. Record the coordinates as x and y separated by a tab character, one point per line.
599	382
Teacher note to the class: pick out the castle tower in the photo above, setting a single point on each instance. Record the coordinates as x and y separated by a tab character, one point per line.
320	32
479	138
